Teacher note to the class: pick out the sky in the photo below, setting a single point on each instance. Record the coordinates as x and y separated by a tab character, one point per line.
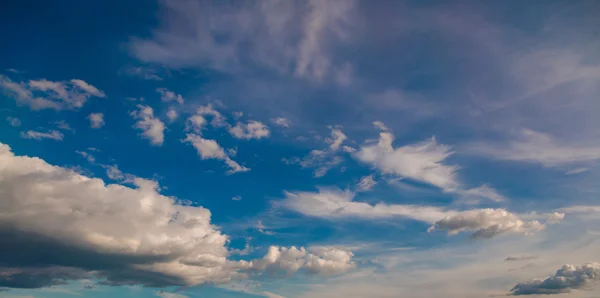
415	149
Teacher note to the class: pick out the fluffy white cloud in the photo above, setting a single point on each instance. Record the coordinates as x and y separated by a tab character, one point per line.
172	114
167	96
210	149
283	122
366	183
44	94
422	162
152	128
57	225
96	120
251	130
218	120
36	135
13	121
536	147
563	281
317	260
380	125
486	223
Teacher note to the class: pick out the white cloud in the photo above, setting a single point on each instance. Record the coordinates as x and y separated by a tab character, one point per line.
145	237
210	149
90	158
44	94
63	125
271	295
577	171
167	96
336	139
152	128
164	294
536	147
563	281
172	114
236	198
422	162
486	223
251	130
96	120
13	121
195	123
324	160
317	260
366	183
218	120
36	135
283	122
380	126
143	72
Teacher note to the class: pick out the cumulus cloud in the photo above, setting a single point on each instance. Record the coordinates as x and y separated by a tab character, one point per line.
96	120
280	121
36	135
210	149
152	128
315	260
57	225
172	114
563	281
366	183
486	223
13	121
218	120
44	94
167	96
536	147
250	130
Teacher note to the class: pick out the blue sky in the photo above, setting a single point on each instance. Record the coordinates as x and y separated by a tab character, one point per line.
299	148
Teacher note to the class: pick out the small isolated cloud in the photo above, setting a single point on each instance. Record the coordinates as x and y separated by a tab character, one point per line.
44	94
145	73
263	229
250	130
236	198
88	156
172	114
271	295
13	121
326	159
380	125
168	96
577	171
96	120
536	147
218	120
36	135
486	223
316	260
520	258
366	183
152	128
210	149
63	125
280	121
567	278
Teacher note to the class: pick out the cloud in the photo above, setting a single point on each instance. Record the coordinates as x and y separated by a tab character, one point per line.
96	120
536	147
486	223
284	37
57	226
316	260
380	126
152	128
366	183
336	139
168	96
271	295
90	158
218	120
164	294
251	130
63	125
323	160
172	114
563	281
477	194
236	198
577	171
280	121
520	258
145	73
36	135
44	94
13	121
210	149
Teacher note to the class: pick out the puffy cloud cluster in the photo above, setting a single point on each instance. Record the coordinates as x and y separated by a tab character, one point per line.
152	128
96	120
486	223
250	130
57	225
167	95
315	260
567	278
44	94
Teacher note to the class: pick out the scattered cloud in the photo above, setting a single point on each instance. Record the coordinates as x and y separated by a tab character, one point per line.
164	294
145	73
152	128
63	125
366	183
520	258
236	198
172	114
44	94
316	260
96	120
323	160
36	135
210	149
577	171
13	121
280	121
563	281
168	96
381	126
89	157
251	130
